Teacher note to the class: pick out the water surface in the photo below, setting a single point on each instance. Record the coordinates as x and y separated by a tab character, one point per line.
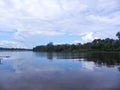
59	71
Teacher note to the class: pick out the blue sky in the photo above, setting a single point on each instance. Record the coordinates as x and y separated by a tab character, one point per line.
27	23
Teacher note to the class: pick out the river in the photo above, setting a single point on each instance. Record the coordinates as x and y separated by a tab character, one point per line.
27	70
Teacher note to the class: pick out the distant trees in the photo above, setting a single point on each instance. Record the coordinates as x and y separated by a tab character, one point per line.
50	47
96	45
118	35
14	49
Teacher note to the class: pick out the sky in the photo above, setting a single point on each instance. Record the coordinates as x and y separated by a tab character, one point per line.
28	23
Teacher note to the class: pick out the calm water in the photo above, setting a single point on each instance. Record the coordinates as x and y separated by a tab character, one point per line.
59	71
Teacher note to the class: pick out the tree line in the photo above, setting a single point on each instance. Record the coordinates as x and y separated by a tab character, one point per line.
96	45
14	49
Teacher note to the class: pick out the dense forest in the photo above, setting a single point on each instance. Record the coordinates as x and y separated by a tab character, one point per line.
96	45
14	49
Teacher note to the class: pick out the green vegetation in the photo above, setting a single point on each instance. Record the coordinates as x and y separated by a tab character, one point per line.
14	49
96	45
118	35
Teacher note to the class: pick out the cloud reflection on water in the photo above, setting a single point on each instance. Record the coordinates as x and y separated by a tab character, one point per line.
35	71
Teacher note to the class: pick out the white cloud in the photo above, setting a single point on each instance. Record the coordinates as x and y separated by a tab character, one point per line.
12	44
88	37
76	42
60	17
88	65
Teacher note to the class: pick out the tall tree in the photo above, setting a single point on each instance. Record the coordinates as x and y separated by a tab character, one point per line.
118	35
50	47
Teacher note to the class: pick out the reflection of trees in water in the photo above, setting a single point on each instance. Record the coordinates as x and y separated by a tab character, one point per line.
40	54
0	61
119	68
63	55
50	56
108	59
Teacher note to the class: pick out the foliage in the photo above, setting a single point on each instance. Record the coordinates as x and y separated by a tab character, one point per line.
96	45
118	35
14	49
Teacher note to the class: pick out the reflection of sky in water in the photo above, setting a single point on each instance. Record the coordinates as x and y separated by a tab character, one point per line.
6	65
88	65
24	62
25	68
44	65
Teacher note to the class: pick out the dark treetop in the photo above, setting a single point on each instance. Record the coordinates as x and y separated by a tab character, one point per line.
96	45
